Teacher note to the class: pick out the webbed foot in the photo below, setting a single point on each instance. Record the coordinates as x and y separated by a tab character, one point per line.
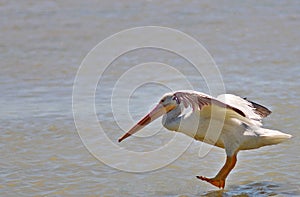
220	183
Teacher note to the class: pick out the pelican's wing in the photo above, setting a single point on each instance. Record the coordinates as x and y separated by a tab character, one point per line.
199	101
259	109
251	110
222	110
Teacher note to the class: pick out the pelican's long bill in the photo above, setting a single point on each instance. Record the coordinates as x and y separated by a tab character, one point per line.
158	111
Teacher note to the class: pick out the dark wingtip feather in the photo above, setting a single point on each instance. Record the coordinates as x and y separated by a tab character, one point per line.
259	109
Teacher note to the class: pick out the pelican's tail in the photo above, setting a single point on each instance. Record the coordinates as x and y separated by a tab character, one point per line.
270	137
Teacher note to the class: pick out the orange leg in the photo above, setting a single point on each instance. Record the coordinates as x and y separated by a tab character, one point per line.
219	179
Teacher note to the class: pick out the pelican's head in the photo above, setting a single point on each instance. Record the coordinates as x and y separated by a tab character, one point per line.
166	104
169	101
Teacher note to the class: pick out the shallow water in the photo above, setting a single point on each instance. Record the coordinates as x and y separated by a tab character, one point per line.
256	47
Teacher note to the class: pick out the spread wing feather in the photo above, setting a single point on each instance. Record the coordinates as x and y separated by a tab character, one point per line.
259	109
252	110
198	100
235	106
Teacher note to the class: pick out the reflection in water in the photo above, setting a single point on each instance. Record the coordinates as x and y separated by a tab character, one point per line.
255	189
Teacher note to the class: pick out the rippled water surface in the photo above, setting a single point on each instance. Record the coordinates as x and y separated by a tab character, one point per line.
255	45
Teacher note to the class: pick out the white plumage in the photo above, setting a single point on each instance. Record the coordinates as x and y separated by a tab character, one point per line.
242	104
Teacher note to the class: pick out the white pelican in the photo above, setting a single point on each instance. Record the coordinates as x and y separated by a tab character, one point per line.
240	121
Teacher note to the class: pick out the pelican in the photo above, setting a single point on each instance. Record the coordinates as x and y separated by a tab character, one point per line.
240	124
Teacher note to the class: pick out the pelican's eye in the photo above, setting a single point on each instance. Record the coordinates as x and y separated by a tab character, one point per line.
176	99
162	100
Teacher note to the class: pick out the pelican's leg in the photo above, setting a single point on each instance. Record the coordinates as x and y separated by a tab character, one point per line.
219	179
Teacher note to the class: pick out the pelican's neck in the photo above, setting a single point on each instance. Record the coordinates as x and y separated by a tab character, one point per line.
171	120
